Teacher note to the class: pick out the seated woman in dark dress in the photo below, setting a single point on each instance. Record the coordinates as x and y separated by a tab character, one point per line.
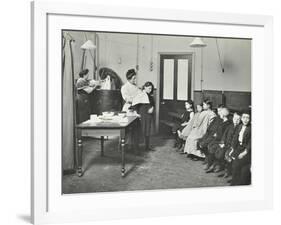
84	87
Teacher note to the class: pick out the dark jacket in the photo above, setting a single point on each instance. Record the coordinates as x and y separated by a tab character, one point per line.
185	117
211	130
83	107
221	129
228	135
246	140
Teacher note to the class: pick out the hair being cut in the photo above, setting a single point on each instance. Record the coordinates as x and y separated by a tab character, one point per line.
149	84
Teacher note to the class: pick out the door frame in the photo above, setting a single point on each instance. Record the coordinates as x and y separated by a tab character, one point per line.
159	81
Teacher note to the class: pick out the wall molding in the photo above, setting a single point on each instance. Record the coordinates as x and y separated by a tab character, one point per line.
234	100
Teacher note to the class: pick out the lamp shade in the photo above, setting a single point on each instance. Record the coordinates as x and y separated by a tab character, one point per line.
197	43
88	45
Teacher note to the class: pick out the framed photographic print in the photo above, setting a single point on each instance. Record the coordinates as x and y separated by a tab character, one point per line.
141	112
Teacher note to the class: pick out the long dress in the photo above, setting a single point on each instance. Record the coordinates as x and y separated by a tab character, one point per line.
146	118
132	96
195	130
83	108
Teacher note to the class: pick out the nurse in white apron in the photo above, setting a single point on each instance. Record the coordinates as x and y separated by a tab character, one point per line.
129	90
132	95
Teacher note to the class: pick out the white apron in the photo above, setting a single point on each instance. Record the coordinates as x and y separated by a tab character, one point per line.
132	96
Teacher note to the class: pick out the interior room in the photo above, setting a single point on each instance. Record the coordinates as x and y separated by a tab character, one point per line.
181	68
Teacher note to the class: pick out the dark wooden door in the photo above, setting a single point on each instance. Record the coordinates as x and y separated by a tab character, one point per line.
175	84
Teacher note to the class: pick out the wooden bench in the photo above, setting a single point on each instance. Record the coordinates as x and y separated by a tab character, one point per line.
175	118
168	123
175	115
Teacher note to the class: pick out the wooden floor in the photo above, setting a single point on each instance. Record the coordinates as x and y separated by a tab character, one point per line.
163	168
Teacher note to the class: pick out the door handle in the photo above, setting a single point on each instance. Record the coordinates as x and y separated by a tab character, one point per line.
163	103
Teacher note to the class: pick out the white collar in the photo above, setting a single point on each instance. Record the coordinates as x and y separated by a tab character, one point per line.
129	83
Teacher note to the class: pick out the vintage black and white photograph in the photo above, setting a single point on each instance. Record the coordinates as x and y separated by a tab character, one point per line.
154	111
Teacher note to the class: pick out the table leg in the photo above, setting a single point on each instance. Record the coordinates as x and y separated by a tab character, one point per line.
102	145
79	158
119	144
136	134
123	156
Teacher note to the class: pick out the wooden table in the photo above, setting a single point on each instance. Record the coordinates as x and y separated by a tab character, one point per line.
101	129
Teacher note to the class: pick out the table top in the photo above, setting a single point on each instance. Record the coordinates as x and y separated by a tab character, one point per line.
106	124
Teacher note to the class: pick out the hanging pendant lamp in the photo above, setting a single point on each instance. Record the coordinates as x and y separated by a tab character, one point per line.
197	43
88	45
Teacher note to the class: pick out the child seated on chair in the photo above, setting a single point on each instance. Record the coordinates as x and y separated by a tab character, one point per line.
241	144
210	134
217	144
184	119
224	149
183	135
198	130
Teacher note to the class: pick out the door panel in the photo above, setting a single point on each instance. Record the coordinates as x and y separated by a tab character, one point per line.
182	87
175	83
168	79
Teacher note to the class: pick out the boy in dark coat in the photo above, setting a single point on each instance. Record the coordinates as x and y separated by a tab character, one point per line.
209	135
212	146
241	144
223	147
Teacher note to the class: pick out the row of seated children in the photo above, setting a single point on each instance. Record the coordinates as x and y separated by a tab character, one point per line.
223	142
